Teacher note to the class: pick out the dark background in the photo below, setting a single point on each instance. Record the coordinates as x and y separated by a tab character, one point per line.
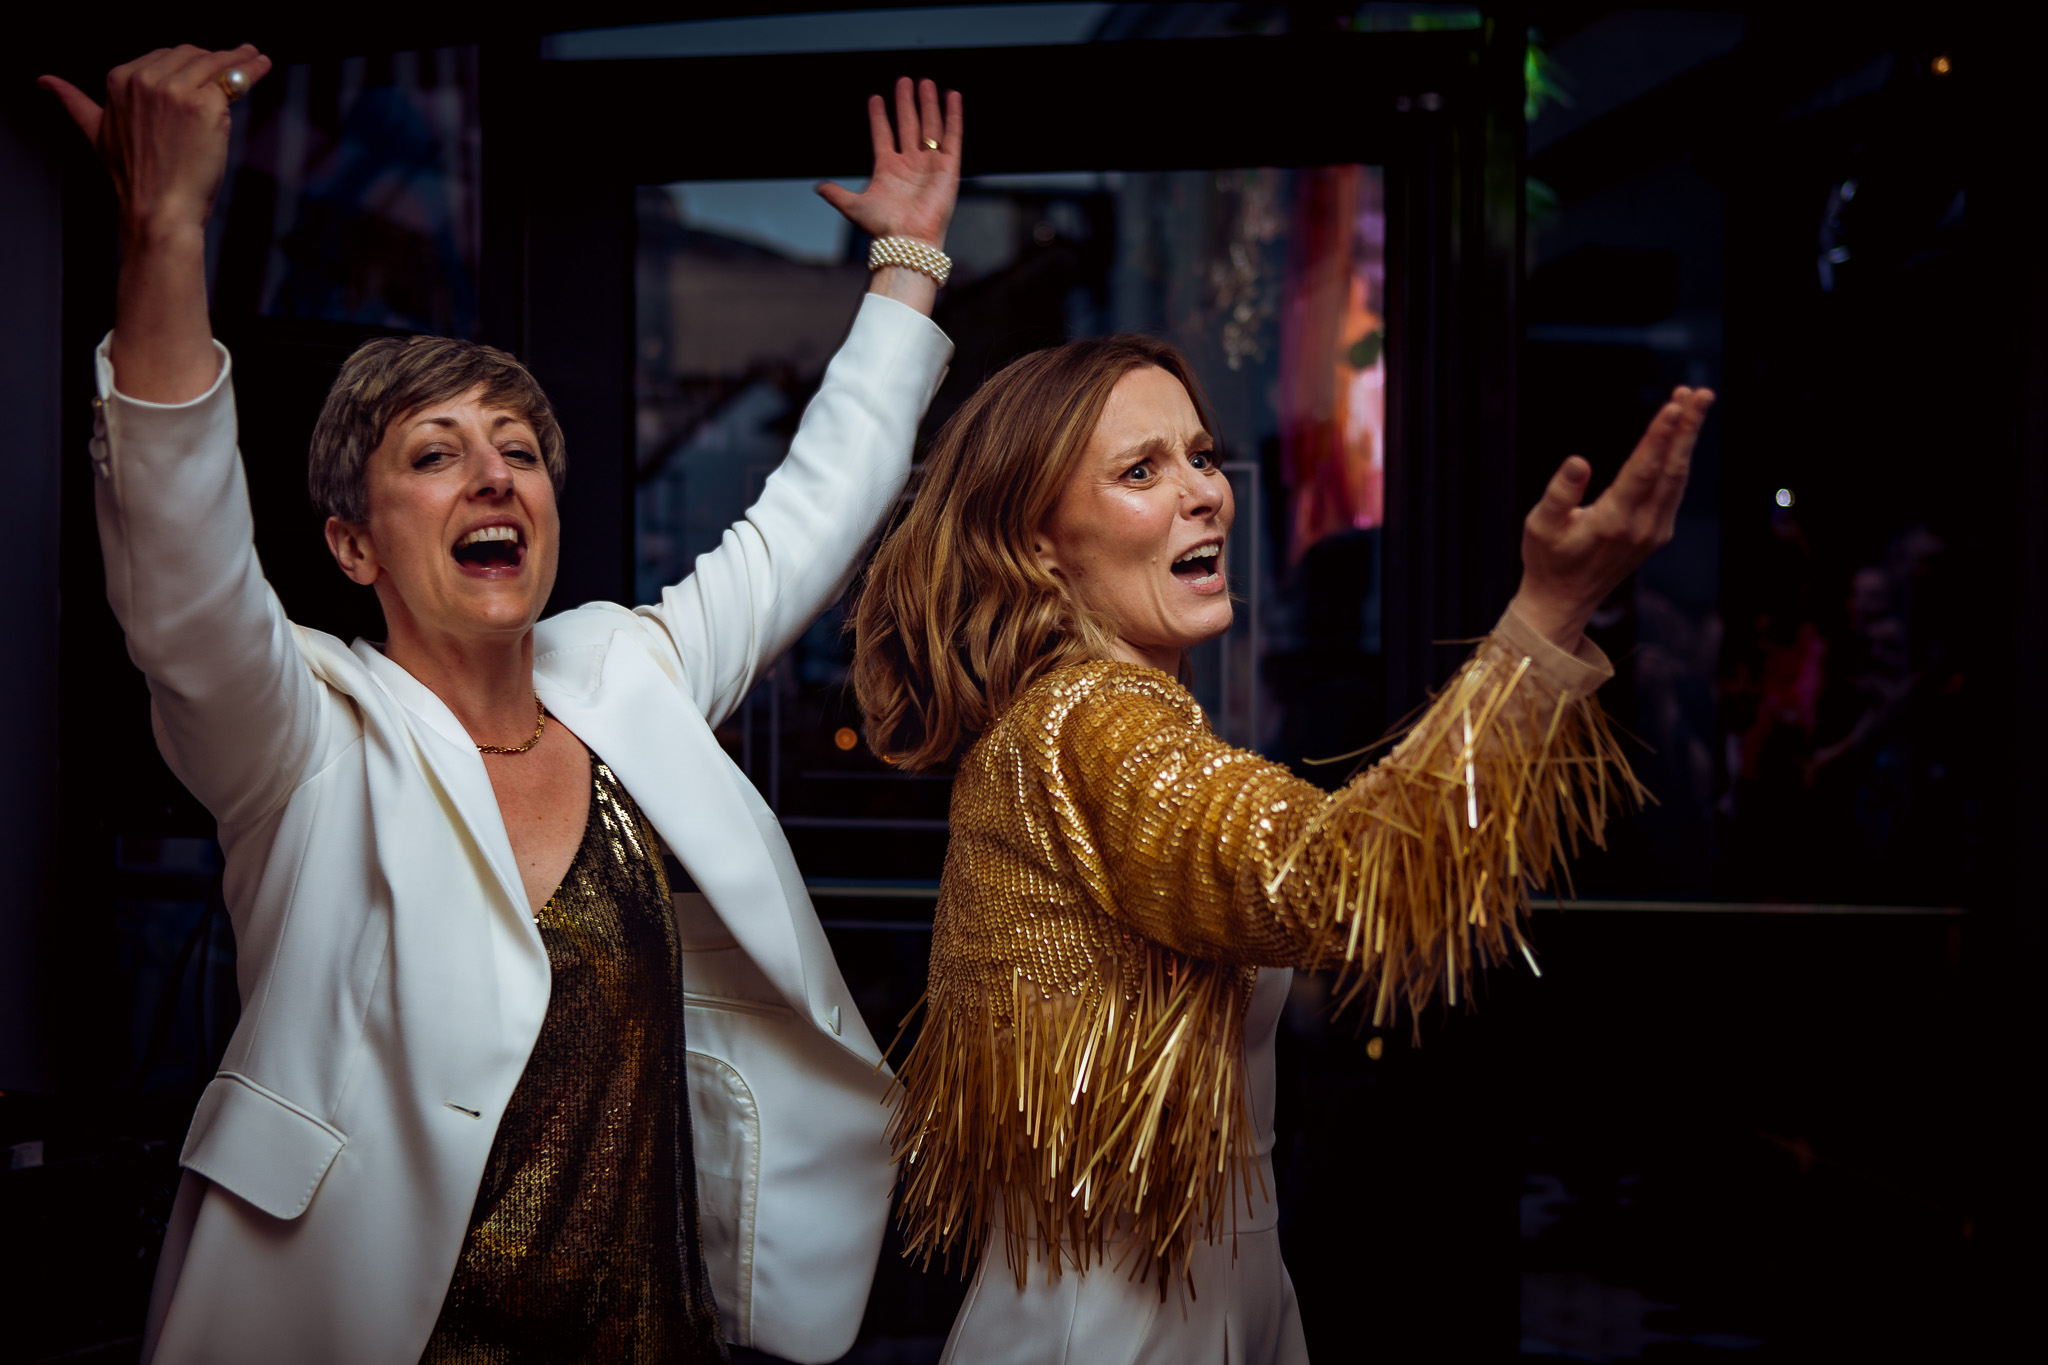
1751	1116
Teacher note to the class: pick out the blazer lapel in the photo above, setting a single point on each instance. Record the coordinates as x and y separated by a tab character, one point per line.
451	758
620	703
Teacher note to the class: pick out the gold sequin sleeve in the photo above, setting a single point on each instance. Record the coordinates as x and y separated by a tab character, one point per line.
1409	878
1116	874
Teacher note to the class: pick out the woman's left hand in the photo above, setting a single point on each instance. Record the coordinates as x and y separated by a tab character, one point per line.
1573	555
917	168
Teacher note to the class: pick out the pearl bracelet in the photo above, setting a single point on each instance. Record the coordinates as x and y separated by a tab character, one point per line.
911	255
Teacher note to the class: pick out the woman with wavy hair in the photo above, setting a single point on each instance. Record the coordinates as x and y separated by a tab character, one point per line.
1124	893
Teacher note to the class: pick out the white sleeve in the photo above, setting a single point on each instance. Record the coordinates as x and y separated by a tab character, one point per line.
239	716
794	551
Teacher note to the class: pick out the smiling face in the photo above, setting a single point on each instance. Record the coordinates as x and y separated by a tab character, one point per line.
1138	533
463	536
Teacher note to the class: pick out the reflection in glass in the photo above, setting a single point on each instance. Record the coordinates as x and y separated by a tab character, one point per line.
1271	280
352	194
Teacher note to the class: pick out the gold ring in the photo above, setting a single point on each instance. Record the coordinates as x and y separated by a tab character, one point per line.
931	144
233	83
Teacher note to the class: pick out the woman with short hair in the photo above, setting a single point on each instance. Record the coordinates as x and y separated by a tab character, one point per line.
1124	894
458	1120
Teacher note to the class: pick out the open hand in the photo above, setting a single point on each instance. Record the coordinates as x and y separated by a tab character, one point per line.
917	168
164	132
1573	555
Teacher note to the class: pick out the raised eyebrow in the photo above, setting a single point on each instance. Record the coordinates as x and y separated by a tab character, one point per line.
1151	448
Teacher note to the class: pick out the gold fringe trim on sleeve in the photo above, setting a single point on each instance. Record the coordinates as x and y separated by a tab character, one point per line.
1417	875
1099	1123
1116	875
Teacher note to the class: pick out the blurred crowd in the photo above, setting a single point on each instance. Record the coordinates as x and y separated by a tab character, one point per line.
1841	702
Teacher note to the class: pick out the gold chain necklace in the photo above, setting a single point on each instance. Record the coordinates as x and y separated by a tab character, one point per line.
540	723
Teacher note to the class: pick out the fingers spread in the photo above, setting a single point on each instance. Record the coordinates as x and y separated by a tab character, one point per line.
931	129
838	196
906	115
1692	405
1685	432
878	127
1646	494
1565	491
950	142
1639	479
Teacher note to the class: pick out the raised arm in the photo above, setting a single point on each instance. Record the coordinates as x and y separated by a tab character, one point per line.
795	549
1417	873
163	136
238	713
914	187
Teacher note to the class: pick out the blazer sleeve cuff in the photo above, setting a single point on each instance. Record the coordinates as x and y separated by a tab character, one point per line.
145	429
103	365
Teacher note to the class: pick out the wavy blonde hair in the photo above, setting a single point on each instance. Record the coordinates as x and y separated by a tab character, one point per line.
958	617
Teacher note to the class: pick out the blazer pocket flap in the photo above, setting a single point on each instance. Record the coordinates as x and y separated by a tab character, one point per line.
257	1144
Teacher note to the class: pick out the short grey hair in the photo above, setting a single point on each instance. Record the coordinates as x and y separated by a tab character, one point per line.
391	376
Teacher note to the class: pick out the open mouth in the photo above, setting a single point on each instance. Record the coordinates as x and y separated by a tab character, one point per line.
1201	567
491	550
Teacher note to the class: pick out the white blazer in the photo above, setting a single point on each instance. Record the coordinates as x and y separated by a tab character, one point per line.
392	979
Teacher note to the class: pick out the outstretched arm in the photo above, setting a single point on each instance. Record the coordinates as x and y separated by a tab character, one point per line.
1414	875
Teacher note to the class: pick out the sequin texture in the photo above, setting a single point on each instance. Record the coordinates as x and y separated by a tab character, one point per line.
583	1246
1116	876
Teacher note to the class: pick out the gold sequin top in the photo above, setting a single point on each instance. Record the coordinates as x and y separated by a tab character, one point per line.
1115	878
583	1246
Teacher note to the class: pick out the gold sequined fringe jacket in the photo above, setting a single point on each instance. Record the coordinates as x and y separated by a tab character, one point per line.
1117	875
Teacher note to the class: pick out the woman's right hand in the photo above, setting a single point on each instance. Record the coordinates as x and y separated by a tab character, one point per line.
915	184
917	168
164	138
163	133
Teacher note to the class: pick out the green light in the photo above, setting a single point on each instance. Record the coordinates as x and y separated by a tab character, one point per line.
1542	80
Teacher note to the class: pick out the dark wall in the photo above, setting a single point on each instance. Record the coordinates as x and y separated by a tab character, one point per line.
1802	1127
31	256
